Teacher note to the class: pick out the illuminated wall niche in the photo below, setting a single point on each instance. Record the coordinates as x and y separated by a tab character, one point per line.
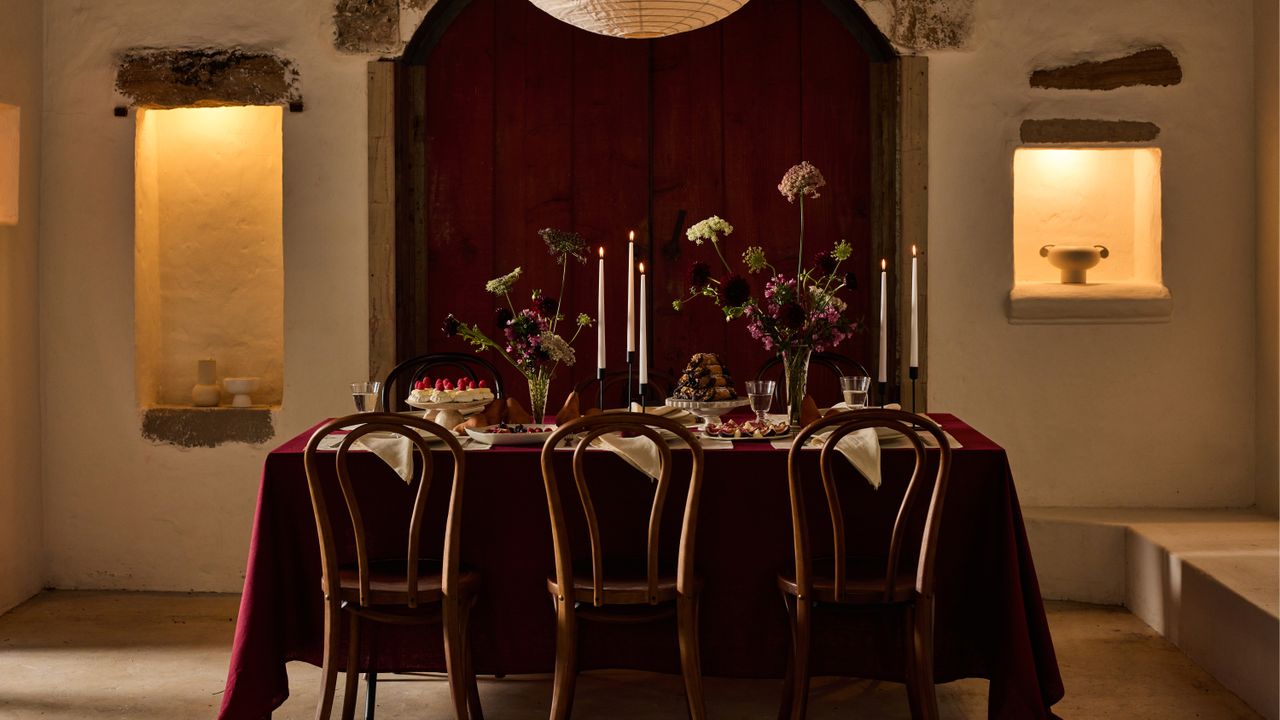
209	259
1088	196
9	127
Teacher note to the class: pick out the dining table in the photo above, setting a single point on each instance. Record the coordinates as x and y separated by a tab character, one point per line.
989	616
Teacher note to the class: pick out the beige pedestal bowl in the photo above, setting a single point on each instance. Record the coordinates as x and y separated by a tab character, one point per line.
1074	260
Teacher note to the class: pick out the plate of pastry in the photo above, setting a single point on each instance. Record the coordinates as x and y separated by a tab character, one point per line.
512	434
706	388
749	430
464	395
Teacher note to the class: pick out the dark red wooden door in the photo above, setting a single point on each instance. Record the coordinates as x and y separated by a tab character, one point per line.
531	123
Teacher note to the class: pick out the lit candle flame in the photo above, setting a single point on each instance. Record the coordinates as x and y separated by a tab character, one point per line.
913	251
631	236
601	251
641	268
883	264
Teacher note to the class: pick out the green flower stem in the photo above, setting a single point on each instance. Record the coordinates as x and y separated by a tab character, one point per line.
716	244
560	298
800	254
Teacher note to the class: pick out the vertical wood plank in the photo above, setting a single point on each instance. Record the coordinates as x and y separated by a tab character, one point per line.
884	196
411	210
382	218
913	133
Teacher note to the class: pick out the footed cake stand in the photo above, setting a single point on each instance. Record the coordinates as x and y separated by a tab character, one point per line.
708	411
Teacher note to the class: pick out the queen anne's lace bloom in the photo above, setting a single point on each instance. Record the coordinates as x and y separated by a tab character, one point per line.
713	228
556	348
802	179
503	285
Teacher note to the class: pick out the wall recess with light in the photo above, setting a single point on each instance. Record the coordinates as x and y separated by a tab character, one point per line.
1087	236
10	117
209	260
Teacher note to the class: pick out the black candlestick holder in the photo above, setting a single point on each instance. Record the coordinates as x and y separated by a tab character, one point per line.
913	372
600	379
644	394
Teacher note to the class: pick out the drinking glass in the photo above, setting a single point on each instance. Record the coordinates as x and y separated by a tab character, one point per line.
760	392
855	389
366	395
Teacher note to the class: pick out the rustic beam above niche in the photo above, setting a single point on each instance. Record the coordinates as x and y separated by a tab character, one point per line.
206	77
1084	130
1152	66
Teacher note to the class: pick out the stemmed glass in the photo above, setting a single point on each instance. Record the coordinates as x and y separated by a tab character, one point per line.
760	392
365	395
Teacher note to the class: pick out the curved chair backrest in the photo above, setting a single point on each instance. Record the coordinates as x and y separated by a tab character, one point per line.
410	371
615	388
639	424
415	429
839	426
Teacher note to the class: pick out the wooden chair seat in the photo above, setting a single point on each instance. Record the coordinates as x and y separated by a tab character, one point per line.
863	584
388	584
623	589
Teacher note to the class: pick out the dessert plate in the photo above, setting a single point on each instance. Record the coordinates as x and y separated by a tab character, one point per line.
466	408
488	437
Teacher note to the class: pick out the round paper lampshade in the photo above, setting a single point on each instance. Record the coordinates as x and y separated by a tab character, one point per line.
639	18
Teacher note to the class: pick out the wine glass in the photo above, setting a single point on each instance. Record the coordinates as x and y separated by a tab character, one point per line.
760	392
365	395
855	389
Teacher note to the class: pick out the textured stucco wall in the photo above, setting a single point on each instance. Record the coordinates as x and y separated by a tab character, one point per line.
1267	90
21	571
123	511
1093	415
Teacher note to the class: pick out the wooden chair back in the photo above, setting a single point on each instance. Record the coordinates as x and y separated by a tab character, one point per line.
415	429
615	388
841	425
410	371
638	424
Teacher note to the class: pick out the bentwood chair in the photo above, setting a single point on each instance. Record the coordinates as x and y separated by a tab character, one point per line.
887	583
835	363
410	371
603	592
400	587
615	388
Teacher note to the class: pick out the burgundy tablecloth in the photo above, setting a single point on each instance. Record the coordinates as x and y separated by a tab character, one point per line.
990	620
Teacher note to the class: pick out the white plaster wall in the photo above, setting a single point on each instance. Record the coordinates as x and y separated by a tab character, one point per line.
1097	415
1267	91
21	562
120	511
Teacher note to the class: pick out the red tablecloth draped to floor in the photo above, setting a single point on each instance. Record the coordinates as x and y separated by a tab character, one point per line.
990	617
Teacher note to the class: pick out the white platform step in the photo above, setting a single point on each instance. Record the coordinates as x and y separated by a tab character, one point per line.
1209	580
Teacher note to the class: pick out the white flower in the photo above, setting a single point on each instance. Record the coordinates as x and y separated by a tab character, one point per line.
557	349
503	285
710	229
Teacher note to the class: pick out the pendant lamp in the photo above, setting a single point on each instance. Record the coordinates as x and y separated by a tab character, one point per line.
639	19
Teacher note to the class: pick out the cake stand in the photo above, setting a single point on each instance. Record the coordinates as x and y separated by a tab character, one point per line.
708	411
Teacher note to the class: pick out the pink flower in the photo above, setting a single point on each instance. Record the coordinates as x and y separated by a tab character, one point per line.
802	179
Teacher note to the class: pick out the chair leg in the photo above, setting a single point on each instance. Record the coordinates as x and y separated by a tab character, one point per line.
566	661
455	656
473	690
788	680
912	674
921	640
803	629
690	657
329	666
353	670
370	693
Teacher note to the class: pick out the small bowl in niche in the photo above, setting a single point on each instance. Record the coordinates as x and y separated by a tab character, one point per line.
1074	260
240	387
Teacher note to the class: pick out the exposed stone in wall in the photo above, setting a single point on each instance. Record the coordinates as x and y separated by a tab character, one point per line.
368	26
207	427
206	76
1152	66
1063	130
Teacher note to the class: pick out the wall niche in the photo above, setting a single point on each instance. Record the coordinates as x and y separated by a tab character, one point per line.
1085	197
209	259
10	116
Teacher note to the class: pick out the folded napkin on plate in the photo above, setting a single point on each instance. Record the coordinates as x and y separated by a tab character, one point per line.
861	448
394	450
639	452
684	417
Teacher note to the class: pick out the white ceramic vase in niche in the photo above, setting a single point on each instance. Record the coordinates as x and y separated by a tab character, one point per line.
206	392
240	387
1074	260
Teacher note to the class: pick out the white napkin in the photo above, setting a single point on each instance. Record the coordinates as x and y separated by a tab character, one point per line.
393	449
640	453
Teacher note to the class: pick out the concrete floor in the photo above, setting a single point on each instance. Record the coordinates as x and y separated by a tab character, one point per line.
157	656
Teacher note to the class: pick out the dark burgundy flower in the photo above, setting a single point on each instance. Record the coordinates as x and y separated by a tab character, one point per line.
824	262
735	291
791	316
851	280
699	275
451	326
502	316
545	306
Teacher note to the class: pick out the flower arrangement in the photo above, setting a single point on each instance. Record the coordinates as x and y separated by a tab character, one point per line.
529	339
795	314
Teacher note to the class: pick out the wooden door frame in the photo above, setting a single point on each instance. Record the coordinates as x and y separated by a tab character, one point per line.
397	183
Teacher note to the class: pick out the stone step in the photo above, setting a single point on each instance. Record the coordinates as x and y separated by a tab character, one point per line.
1208	580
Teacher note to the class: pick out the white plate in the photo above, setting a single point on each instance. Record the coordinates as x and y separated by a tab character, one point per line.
464	408
490	438
748	438
686	404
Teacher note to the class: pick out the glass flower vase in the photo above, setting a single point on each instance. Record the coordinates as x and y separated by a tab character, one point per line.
795	363
539	386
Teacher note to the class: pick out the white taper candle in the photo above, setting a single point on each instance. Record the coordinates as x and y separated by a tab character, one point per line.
600	356
884	323
631	292
644	337
915	313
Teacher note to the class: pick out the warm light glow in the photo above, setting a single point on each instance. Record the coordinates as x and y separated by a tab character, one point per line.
631	236
641	268
913	251
209	249
1088	196
883	264
10	116
601	251
639	18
